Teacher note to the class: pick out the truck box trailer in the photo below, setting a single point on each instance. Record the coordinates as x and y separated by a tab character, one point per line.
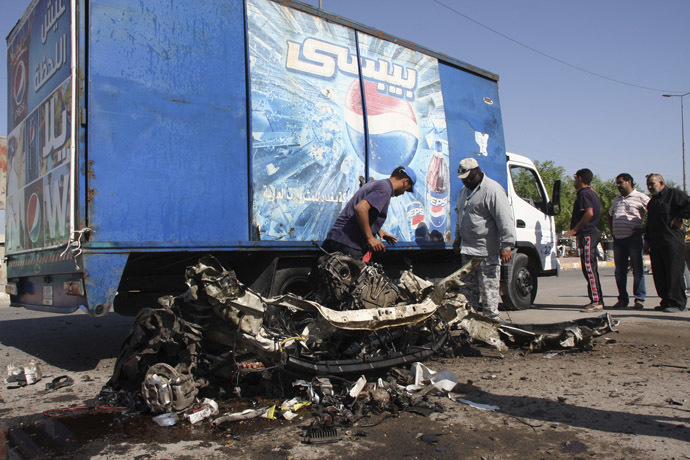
145	134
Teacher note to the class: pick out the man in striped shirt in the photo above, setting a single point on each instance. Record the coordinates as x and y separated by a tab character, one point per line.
625	221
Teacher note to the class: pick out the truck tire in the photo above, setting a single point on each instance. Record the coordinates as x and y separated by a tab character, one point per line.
521	291
293	280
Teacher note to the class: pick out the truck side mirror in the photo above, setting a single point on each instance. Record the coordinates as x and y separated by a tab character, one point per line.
555	199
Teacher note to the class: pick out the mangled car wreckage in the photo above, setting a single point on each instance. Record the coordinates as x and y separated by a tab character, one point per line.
357	320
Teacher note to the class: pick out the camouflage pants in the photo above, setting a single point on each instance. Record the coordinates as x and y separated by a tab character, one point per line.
485	281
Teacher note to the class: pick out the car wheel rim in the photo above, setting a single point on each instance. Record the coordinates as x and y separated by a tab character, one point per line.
524	283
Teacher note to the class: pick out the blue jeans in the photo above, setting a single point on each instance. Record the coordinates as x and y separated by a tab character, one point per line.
624	249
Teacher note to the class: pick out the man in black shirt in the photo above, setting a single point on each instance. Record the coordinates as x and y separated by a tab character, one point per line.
665	242
583	225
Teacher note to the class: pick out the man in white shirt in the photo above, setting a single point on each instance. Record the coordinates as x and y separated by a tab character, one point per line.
625	221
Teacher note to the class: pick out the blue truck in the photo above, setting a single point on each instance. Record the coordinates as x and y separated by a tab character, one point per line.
143	135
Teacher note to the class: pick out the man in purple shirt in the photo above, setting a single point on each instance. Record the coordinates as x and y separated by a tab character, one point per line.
354	231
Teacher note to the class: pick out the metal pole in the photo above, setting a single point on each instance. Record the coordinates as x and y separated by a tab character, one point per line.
682	131
320	5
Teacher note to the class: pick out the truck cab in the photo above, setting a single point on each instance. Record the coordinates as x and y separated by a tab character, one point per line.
536	243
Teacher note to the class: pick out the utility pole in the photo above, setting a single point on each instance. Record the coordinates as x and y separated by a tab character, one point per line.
682	129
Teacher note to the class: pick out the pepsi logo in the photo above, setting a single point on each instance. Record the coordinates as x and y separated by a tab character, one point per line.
19	84
438	204
33	217
393	130
415	214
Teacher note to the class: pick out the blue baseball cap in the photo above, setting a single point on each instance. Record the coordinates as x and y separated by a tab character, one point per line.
409	172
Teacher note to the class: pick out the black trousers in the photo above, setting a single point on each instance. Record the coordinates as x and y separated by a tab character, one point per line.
588	262
335	246
668	264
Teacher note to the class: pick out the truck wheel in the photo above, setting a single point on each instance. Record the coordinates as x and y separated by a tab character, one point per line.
522	289
294	280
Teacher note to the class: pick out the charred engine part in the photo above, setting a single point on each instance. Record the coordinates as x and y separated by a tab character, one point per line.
156	336
376	340
311	366
374	289
350	284
165	389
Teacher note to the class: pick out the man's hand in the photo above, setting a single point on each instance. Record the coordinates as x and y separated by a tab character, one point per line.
390	239
376	245
506	255
571	232
646	247
456	246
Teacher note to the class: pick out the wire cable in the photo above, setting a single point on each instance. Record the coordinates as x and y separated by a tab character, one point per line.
561	61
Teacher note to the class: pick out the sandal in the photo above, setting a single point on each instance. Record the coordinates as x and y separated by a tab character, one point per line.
592	307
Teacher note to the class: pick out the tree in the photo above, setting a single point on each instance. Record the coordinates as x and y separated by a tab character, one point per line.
607	191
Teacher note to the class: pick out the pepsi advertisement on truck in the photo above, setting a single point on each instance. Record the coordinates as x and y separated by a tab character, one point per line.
39	120
318	91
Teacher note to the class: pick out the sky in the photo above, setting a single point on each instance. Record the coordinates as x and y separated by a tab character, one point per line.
548	54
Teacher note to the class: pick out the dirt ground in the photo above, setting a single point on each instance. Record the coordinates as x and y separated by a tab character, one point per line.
625	399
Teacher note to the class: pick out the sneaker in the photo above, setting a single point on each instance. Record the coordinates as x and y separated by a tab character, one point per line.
673	310
592	307
659	308
639	305
620	304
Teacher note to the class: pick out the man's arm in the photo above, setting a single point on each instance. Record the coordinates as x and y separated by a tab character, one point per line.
458	215
680	208
589	213
503	215
362	214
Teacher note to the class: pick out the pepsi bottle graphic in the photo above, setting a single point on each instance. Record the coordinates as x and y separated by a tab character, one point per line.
437	194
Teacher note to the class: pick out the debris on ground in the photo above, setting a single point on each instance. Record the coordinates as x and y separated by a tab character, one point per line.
487	407
345	347
61	381
23	375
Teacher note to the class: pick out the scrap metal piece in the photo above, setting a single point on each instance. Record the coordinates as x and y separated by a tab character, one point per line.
321	435
246	414
165	389
484	329
454	280
570	334
413	286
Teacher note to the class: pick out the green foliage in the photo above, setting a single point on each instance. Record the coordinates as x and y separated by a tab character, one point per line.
606	190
